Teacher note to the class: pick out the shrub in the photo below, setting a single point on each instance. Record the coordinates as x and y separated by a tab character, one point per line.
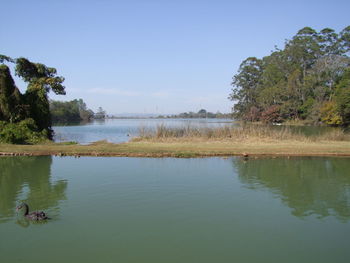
271	114
24	132
305	109
329	114
343	97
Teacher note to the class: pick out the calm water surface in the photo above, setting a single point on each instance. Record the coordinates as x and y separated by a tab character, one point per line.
121	130
176	210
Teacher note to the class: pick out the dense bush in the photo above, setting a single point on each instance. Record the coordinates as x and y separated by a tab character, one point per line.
329	114
26	118
23	132
343	98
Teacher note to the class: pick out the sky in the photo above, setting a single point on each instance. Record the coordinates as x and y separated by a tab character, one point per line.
161	57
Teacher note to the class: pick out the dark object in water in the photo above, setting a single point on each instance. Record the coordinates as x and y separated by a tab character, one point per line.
35	216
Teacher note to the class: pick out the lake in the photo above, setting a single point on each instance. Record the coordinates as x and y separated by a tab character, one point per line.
176	210
121	130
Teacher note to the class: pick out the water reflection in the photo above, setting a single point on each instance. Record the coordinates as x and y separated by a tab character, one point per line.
29	179
306	185
23	222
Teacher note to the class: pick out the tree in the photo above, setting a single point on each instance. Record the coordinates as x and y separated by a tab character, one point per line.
330	114
100	114
70	111
202	113
303	49
246	86
343	97
11	108
329	42
296	82
41	80
34	104
345	40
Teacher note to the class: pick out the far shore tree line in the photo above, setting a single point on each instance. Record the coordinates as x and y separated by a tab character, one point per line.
308	81
200	114
73	111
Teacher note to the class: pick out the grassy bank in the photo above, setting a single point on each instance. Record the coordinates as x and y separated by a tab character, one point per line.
201	142
184	149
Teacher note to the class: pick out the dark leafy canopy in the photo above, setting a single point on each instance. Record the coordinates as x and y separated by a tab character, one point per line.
202	113
34	104
343	97
11	107
4	58
306	80
39	76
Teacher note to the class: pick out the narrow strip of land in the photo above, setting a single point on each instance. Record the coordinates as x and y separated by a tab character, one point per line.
184	149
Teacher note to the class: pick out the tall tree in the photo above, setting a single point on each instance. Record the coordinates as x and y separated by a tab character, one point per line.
343	97
34	103
296	82
41	80
247	82
11	107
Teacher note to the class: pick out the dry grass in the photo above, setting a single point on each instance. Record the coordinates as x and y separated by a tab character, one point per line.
180	148
244	133
199	142
334	135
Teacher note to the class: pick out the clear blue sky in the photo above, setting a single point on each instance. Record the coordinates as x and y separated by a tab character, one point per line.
155	56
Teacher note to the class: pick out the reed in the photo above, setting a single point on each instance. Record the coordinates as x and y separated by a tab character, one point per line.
235	133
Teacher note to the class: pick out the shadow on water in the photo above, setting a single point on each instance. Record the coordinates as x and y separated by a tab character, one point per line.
28	179
309	186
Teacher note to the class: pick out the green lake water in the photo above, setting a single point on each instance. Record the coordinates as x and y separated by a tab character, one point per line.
176	210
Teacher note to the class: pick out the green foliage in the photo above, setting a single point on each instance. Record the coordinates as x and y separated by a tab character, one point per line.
345	39
249	79
16	107
297	82
200	114
343	97
39	109
11	106
70	111
329	114
305	108
23	132
38	75
4	58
